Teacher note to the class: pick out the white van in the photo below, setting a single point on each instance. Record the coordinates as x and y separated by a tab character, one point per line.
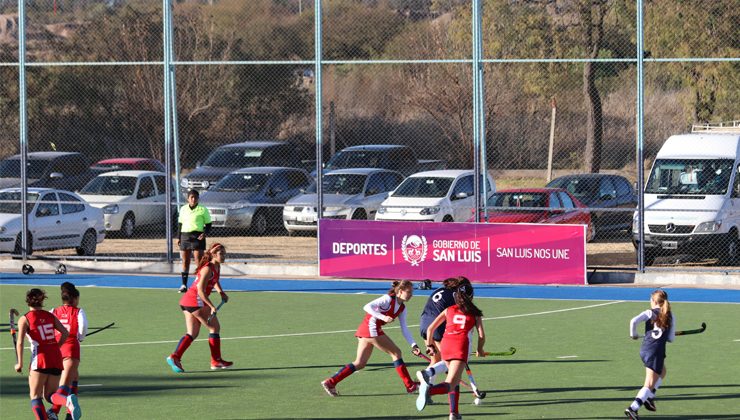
692	197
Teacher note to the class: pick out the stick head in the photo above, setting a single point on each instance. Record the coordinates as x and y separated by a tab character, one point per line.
703	326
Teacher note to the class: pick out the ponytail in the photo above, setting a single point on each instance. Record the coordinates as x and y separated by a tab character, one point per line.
664	318
464	299
398	285
208	256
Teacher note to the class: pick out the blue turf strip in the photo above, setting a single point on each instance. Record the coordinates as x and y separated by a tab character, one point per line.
628	293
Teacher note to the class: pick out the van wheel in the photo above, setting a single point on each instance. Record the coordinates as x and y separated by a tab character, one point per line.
89	244
128	225
729	251
359	214
259	223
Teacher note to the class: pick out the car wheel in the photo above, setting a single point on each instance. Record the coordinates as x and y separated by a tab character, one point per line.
89	244
448	218
259	223
729	251
128	225
359	214
19	247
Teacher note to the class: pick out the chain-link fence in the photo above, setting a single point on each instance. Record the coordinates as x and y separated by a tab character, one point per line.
102	99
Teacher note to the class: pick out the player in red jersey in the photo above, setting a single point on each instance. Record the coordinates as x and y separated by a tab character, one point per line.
197	307
370	335
46	358
75	321
460	319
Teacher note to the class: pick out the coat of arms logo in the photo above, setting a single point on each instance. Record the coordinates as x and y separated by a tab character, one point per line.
414	249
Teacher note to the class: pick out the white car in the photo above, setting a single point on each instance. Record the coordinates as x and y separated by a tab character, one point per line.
56	219
434	196
348	194
129	199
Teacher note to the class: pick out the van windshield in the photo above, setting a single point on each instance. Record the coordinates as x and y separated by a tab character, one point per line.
233	157
356	159
690	176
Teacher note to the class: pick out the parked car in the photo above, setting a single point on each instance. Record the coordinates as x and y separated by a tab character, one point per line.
347	194
537	205
230	157
434	196
692	197
602	191
128	164
57	219
129	199
399	158
253	198
63	170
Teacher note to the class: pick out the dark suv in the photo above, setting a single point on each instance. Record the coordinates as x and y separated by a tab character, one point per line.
63	170
231	157
602	191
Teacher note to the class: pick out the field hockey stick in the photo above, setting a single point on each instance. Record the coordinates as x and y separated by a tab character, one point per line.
12	314
478	393
101	329
696	331
210	317
473	388
509	352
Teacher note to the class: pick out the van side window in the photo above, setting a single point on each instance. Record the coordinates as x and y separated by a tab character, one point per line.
736	185
146	188
465	184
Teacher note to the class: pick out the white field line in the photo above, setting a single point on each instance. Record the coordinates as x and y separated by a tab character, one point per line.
90	385
254	337
567	357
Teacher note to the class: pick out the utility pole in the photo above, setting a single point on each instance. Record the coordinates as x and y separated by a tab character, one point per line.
552	140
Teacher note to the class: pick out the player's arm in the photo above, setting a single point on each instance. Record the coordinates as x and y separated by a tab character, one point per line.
407	334
220	290
672	330
204	273
373	308
22	331
62	330
642	317
431	349
81	325
481	336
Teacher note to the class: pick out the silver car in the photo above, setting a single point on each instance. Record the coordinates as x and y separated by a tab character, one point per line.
253	198
348	194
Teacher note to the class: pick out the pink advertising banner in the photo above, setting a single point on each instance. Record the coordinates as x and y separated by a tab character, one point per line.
489	253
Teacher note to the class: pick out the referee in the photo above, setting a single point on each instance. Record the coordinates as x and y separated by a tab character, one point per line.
193	224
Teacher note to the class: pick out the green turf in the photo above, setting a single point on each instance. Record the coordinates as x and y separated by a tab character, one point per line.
278	377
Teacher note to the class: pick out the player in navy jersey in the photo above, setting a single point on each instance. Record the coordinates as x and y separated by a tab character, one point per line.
659	329
440	299
370	335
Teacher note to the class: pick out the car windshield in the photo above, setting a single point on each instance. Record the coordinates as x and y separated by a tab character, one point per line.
234	157
10	202
584	189
421	186
242	182
110	185
690	176
341	184
517	199
11	168
355	159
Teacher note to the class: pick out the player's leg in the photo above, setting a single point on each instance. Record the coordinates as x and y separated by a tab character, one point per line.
36	381
59	399
214	338
453	378
192	328
650	401
364	351
384	343
644	393
185	254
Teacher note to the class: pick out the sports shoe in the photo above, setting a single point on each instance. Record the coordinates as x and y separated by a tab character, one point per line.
632	414
221	364
329	388
421	400
413	388
649	404
73	406
182	289
51	415
455	416
423	376
68	417
175	364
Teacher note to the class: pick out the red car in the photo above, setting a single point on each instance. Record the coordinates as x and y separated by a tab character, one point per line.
128	164
538	205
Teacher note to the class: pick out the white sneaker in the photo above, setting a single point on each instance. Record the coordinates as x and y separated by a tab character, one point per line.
182	289
74	406
455	416
423	376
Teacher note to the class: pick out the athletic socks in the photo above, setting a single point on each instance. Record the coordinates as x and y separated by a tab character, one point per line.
37	407
642	395
454	397
184	275
440	388
342	373
657	385
59	398
73	388
214	342
183	345
404	374
436	369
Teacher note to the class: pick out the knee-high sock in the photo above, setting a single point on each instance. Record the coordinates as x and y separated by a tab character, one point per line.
440	388
642	395
214	342
403	373
436	369
37	407
59	398
342	373
454	397
73	388
656	385
183	345
184	276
